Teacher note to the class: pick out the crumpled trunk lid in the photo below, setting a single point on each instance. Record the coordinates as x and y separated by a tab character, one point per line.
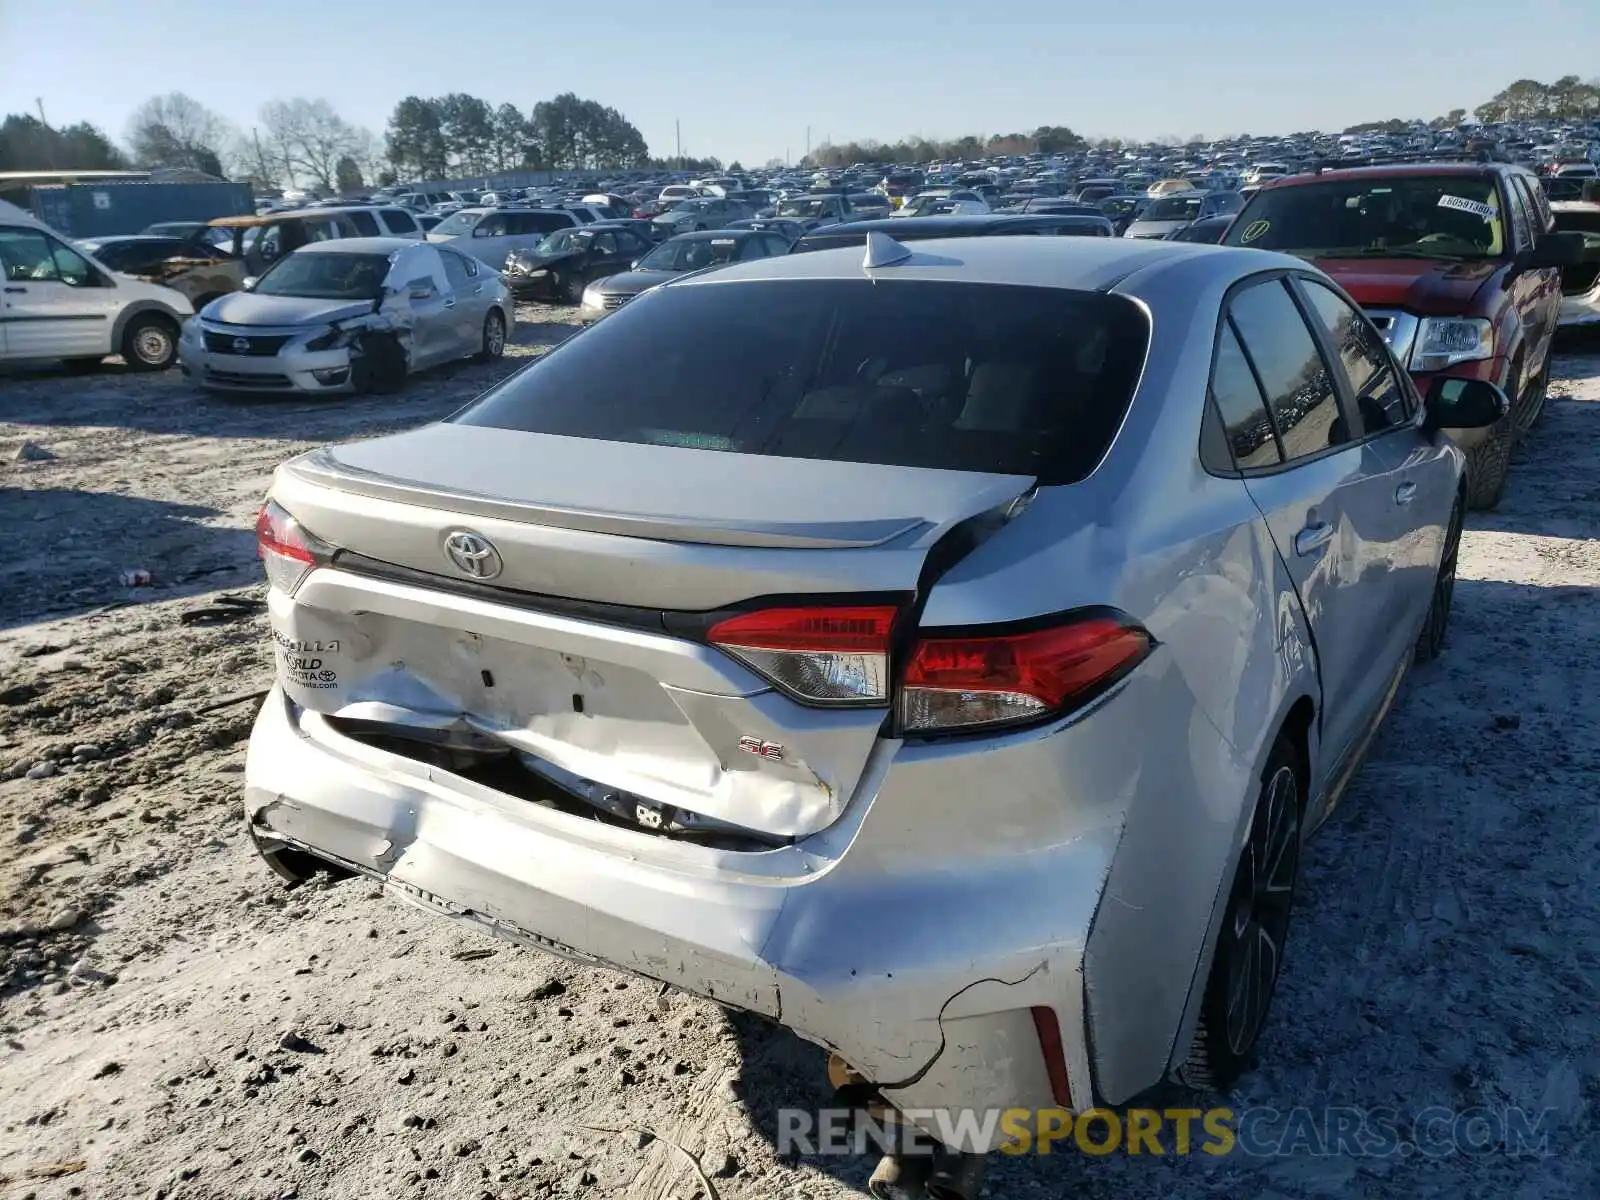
585	651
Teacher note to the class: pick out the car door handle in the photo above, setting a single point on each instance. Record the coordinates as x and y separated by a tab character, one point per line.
16	290
478	291
450	303
1405	493
1312	538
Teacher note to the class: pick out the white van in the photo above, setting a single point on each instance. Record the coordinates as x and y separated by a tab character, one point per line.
58	302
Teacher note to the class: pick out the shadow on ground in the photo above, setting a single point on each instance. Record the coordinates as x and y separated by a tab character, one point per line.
64	544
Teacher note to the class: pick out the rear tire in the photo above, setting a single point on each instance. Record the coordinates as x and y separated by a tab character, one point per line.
1488	462
1533	403
1430	642
1249	954
207	299
150	343
494	337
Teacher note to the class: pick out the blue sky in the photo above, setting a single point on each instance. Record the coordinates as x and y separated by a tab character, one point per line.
746	80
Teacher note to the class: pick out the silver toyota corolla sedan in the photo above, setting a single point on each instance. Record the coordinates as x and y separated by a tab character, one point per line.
943	652
350	315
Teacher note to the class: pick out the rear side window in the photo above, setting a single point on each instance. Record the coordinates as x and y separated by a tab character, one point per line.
968	377
366	224
1298	384
399	220
1241	407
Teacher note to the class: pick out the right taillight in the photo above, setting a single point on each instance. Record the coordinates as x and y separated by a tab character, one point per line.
287	550
976	680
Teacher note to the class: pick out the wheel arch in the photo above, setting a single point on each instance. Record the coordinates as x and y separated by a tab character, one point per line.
139	308
1296	724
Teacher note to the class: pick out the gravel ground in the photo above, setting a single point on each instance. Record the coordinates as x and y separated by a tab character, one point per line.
177	1023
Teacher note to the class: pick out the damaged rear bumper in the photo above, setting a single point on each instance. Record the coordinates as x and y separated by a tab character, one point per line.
925	980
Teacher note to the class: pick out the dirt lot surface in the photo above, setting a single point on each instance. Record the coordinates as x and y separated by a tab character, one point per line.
176	1022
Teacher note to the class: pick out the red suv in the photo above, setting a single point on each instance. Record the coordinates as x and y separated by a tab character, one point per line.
1458	265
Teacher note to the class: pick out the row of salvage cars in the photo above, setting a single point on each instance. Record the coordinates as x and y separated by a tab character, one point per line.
1014	575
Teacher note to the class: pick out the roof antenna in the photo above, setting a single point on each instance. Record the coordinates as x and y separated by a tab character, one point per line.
883	251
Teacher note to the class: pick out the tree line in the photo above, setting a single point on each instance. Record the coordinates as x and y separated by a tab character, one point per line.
460	135
306	143
1567	99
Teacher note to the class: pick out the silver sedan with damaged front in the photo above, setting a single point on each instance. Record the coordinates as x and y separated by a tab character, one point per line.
352	315
943	652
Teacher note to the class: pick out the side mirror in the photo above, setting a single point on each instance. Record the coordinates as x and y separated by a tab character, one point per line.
1463	404
249	283
634	265
1557	250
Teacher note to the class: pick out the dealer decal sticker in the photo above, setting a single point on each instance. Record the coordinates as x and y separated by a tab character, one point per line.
1253	231
1461	204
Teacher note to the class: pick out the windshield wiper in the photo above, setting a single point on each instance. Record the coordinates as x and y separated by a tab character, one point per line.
1386	252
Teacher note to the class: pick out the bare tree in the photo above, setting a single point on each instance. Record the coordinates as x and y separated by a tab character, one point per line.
309	138
176	130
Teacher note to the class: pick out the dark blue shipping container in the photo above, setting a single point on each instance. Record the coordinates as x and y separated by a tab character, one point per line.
82	210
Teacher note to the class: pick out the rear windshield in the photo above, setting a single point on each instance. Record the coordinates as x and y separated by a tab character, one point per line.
960	376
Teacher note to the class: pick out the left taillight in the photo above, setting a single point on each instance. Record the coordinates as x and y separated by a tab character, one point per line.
975	681
287	551
820	655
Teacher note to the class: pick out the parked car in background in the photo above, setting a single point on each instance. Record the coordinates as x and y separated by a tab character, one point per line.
200	270
1580	282
788	227
57	303
490	234
814	210
867	206
255	243
1123	211
677	256
567	261
891	531
350	315
1459	265
1207	230
855	233
699	213
943	202
1170	213
190	231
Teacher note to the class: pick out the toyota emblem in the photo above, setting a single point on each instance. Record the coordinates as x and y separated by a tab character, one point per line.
241	345
473	554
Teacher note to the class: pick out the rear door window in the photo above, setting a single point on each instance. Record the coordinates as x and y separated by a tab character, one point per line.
961	376
1298	385
399	220
366	224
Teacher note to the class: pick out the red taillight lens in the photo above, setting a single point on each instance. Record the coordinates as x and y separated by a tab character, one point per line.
287	551
961	682
833	655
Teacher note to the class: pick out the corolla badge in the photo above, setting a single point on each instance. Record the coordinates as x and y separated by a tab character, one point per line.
473	554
